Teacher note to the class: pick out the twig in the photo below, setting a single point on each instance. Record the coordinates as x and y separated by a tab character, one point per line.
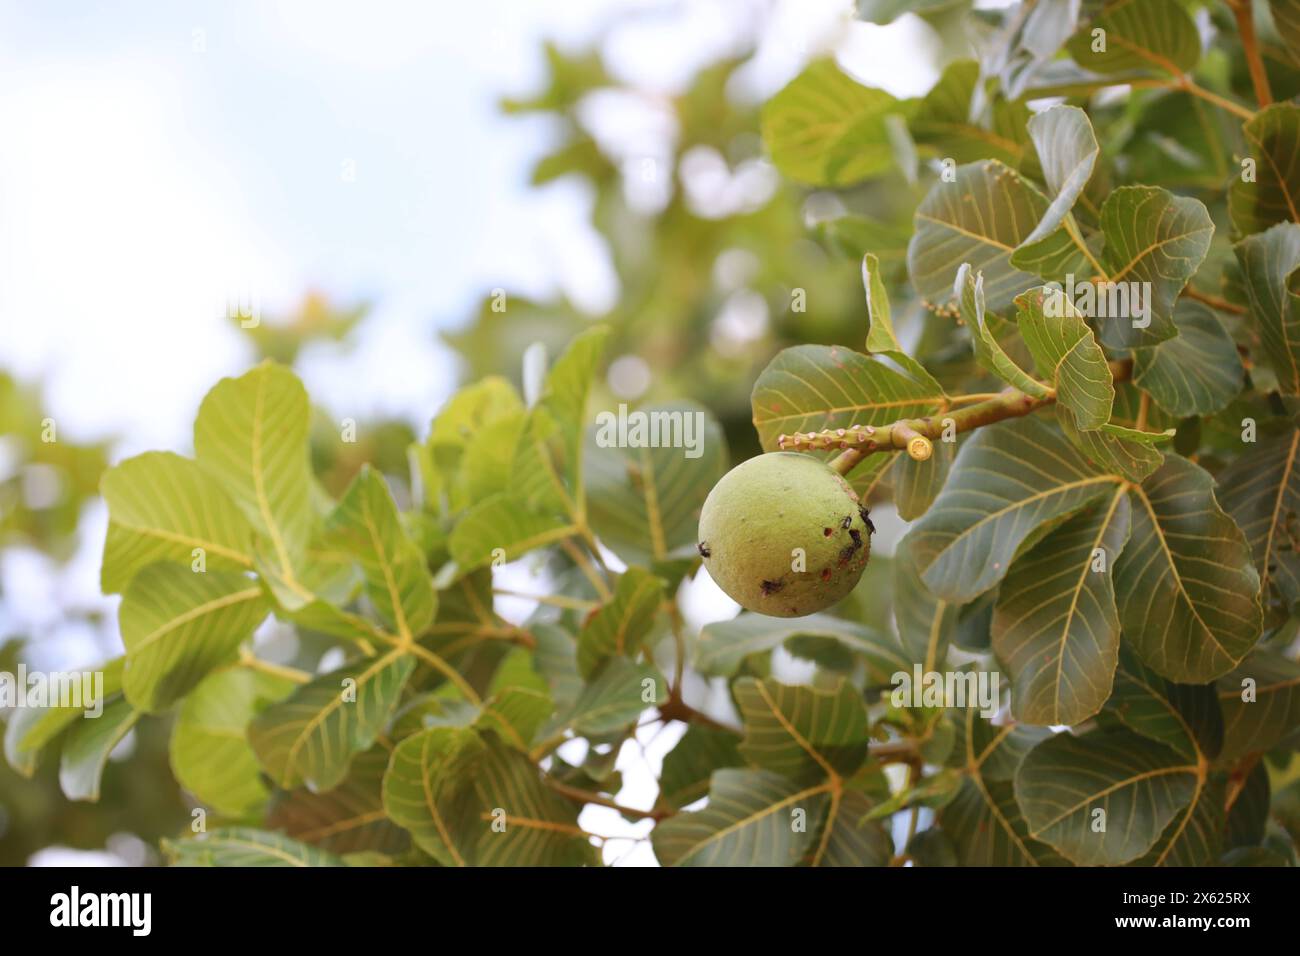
1245	15
859	442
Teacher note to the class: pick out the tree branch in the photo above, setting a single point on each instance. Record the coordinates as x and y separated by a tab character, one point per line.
917	435
1245	15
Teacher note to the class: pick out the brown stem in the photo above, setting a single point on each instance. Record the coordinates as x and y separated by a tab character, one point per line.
677	709
1245	15
1214	301
1009	403
586	796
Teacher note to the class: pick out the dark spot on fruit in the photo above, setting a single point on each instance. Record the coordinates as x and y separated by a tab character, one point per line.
866	520
826	574
847	522
856	535
704	550
771	587
827	532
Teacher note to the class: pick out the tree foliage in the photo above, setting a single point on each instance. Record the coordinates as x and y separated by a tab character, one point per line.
1101	503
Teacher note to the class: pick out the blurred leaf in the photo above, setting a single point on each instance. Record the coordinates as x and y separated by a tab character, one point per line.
151	518
645	502
312	735
210	753
618	627
88	746
251	435
1154	36
178	625
243	846
1273	138
748	822
804	733
826	129
367	525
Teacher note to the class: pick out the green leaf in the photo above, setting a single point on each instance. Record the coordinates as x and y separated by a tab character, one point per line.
1115	453
1152	36
210	753
988	352
804	733
1261	491
1067	355
1184	717
1267	261
980	218
28	730
1186	586
178	625
549	457
1286	17
348	819
1195	837
812	387
881	339
1037	34
886	11
418	793
367	525
925	623
983	819
251	435
827	129
1273	142
723	646
848	838
1138	784
312	736
1009	480
616	697
1259	724
501	522
645	502
87	748
1152	237
1067	150
1198	371
161	508
516	714
468	800
620	625
688	766
749	822
960	119
1055	625
244	846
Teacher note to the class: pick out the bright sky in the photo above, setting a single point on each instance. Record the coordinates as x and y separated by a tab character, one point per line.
162	159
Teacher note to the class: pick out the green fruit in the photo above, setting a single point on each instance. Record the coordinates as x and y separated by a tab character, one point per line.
783	534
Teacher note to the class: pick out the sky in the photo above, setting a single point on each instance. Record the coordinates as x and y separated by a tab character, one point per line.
163	161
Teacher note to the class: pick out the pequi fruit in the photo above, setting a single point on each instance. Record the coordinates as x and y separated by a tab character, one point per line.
783	534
